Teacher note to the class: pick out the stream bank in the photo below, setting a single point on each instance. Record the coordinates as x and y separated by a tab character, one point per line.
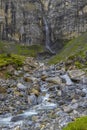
37	96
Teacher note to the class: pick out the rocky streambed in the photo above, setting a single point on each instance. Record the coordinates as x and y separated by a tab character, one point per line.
41	97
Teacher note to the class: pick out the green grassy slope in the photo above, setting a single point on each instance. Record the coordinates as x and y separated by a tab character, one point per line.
77	46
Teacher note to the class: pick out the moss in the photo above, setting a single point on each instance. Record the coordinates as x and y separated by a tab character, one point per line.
5	60
78	124
78	65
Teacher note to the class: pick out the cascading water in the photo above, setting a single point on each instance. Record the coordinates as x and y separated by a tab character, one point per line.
12	121
47	35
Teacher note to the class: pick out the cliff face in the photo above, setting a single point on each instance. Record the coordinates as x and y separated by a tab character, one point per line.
22	20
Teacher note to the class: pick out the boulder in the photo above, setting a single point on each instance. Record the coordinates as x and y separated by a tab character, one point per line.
76	75
54	80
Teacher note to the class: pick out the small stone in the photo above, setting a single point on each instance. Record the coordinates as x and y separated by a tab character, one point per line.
84	90
26	68
16	73
35	91
28	79
21	86
34	118
43	77
59	93
3	90
10	68
68	109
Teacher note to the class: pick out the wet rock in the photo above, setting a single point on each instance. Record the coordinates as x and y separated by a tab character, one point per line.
39	99
17	118
32	99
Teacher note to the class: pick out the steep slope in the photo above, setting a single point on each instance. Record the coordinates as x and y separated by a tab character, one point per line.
76	47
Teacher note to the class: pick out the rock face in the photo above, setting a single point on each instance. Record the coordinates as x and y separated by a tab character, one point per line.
23	20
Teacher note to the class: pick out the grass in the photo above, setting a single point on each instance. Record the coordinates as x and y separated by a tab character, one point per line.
78	124
16	48
75	47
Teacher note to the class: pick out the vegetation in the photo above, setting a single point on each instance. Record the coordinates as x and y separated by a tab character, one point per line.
74	48
20	49
78	124
7	59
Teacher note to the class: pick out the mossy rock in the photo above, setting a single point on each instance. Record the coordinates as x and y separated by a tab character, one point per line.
78	124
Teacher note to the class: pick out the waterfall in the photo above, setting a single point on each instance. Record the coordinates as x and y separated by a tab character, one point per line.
47	35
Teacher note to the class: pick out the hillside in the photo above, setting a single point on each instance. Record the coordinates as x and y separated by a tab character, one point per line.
74	48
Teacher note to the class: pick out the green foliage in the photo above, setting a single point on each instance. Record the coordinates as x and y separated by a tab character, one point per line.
14	59
75	47
78	124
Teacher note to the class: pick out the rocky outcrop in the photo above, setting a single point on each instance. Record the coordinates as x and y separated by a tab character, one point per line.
23	20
